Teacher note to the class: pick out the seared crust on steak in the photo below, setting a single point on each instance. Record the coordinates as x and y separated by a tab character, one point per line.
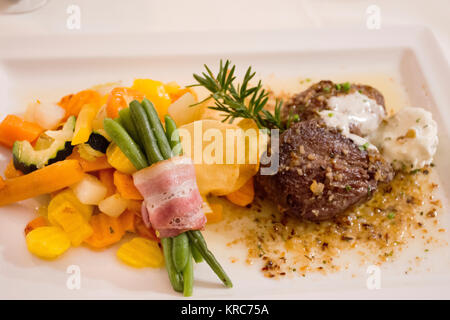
322	173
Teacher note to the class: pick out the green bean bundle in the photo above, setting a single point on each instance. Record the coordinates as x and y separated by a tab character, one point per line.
144	129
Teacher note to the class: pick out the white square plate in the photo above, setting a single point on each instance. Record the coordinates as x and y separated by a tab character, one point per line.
50	67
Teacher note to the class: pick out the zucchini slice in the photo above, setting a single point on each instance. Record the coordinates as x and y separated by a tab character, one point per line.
52	146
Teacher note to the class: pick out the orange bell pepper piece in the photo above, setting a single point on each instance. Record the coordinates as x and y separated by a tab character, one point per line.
14	128
107	231
127	220
73	103
125	186
107	178
35	223
217	213
2	183
120	98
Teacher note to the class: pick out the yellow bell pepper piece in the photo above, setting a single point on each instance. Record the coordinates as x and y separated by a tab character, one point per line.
141	253
172	87
72	221
155	92
68	196
83	126
118	160
47	242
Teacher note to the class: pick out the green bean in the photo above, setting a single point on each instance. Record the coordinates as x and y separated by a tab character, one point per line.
199	242
173	136
157	128
120	137
188	276
180	251
145	131
174	277
196	254
127	123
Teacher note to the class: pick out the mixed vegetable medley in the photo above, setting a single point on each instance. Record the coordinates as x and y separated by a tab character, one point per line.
85	151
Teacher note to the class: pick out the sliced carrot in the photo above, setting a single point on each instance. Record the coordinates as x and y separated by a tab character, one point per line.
135	205
127	220
11	171
54	177
107	178
65	101
244	196
99	163
216	214
120	98
14	128
74	104
142	230
107	231
35	223
2	183
125	186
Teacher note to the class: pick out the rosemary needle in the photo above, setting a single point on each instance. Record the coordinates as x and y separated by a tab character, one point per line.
241	101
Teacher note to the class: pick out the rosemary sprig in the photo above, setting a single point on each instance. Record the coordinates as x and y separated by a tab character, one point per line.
241	101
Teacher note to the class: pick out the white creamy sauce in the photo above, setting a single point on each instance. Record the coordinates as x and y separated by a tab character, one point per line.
360	110
357	110
342	122
408	138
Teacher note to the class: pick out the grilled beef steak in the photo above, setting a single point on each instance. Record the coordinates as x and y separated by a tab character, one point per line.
322	173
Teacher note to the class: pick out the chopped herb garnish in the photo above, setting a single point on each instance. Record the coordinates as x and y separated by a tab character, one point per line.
418	120
364	146
326	89
338	86
308	80
346	86
348	188
360	91
391	215
330	114
414	171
